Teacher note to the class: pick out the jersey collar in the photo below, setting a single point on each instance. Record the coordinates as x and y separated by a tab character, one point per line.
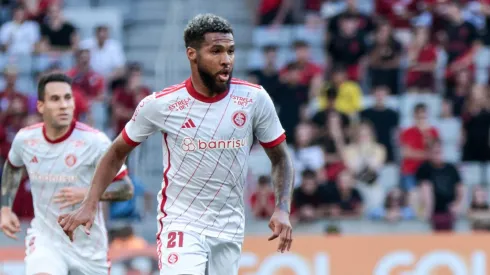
195	94
63	137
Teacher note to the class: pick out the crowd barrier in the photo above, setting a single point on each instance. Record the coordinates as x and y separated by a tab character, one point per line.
447	254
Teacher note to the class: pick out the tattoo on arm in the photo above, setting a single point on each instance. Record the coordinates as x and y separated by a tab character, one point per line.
282	175
11	179
121	190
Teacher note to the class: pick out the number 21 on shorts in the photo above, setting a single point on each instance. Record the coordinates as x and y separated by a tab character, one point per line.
175	239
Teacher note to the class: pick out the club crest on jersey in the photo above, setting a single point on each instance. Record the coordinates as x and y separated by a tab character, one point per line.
70	160
241	101
239	119
173	258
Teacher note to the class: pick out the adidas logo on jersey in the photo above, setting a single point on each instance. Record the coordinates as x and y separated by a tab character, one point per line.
188	124
34	160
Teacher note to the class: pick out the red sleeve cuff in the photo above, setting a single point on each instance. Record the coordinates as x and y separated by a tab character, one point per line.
275	142
128	140
13	165
121	175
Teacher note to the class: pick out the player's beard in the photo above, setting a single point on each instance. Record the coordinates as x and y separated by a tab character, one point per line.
209	80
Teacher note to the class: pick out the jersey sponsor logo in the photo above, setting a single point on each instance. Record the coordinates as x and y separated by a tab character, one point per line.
188	124
78	143
173	258
34	160
179	105
32	142
239	119
241	101
70	160
52	178
191	145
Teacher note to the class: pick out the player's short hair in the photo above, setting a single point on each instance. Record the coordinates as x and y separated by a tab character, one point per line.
197	28
48	78
419	107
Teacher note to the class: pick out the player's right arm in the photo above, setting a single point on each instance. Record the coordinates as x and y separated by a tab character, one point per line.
138	129
13	171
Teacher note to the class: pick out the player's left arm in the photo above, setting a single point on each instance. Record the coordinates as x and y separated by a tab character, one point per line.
268	130
282	175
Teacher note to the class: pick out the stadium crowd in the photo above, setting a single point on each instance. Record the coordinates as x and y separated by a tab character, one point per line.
391	83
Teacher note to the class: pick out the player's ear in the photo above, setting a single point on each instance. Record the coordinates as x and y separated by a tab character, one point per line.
40	106
191	54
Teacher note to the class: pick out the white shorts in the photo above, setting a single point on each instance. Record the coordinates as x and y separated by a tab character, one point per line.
44	256
189	253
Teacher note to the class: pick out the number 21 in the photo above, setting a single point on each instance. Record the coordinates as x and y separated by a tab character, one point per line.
171	239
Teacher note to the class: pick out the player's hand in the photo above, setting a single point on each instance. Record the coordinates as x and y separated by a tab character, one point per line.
9	223
281	227
69	196
84	215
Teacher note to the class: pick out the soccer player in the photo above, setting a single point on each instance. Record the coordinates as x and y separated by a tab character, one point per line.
208	124
60	156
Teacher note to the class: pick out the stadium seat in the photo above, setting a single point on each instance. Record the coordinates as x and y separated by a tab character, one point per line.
389	176
472	173
315	37
391	102
263	36
87	19
408	102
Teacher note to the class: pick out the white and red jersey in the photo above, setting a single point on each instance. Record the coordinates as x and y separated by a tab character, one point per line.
68	161
206	144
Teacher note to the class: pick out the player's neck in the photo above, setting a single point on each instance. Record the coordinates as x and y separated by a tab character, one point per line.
200	87
54	133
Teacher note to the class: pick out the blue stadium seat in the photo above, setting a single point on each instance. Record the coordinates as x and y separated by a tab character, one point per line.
263	36
408	102
86	19
391	101
315	37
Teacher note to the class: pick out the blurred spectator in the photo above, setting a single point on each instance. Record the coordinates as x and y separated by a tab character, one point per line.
385	121
14	105
476	126
395	208
483	58
309	198
422	60
272	12
479	211
306	155
415	142
292	99
127	97
128	211
309	70
344	200
398	12
442	191
333	139
384	59
19	36
345	94
461	42
364	24
461	90
349	47
364	158
124	238
268	76
263	200
107	55
90	83
37	9
449	128
58	35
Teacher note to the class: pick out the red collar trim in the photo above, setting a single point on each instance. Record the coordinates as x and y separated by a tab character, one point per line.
195	94
63	137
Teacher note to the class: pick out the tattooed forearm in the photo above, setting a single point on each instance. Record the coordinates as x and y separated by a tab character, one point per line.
282	175
121	190
11	179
